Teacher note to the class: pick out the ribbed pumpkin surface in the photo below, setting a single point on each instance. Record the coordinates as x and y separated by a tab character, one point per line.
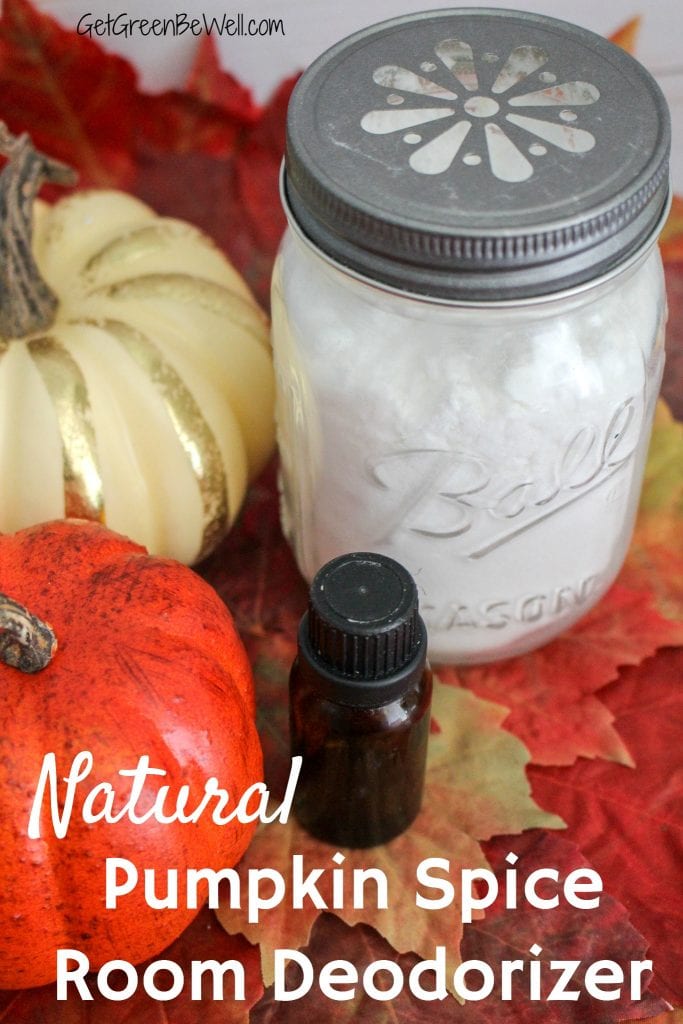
148	662
148	403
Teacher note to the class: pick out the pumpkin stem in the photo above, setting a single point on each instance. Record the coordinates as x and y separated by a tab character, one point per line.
26	642
27	304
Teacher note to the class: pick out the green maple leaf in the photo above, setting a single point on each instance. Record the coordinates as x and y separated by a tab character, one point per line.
655	559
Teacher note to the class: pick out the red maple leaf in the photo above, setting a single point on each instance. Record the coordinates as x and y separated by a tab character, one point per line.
672	1017
208	155
56	85
629	824
552	691
210	83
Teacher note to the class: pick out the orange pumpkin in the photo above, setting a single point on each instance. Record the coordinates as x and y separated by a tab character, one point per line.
148	662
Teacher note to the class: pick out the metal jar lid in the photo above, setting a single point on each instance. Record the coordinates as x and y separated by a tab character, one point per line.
477	154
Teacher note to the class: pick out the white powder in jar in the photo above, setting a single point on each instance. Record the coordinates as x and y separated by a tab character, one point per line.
497	453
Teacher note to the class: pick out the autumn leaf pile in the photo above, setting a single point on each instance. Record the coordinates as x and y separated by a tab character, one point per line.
584	732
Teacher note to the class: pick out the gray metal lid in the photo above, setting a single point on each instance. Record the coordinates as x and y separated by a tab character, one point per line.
477	154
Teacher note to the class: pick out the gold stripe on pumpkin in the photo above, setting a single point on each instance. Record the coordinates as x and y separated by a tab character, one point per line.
193	432
83	493
197	291
155	239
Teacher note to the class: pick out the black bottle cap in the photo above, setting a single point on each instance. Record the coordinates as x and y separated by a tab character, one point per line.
362	633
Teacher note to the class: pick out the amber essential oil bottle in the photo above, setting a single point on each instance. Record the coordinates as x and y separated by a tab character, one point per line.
360	695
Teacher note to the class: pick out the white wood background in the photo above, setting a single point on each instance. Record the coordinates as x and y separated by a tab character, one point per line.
313	25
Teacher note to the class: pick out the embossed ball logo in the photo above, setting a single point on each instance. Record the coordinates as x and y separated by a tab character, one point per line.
475	109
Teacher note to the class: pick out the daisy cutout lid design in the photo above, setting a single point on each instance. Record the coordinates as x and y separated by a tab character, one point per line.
477	154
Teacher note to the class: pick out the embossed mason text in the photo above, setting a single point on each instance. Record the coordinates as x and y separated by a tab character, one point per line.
500	612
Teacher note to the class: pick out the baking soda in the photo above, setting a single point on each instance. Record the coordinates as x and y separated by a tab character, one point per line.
496	452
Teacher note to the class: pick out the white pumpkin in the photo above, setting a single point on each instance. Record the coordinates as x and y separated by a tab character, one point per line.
147	403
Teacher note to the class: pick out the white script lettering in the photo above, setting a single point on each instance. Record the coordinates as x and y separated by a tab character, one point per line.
99	803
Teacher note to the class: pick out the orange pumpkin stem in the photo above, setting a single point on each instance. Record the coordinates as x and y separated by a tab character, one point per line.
27	304
26	642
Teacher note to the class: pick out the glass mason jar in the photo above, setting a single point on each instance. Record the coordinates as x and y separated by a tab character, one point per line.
469	343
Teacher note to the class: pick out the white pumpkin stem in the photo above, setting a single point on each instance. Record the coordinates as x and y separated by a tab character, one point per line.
27	304
26	642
